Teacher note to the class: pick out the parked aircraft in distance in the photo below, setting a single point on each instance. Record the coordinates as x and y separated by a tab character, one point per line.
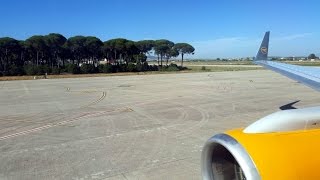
284	145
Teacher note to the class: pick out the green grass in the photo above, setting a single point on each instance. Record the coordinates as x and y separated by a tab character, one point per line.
190	63
304	63
209	62
301	63
221	68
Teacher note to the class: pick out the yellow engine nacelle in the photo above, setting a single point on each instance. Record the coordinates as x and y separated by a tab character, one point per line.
287	154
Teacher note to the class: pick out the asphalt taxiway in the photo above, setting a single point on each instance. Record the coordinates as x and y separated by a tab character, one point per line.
130	127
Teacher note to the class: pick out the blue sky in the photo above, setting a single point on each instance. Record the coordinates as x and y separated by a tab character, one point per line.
216	28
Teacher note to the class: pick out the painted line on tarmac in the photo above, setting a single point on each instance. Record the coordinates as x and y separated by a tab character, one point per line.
85	115
2	86
26	89
42	127
104	94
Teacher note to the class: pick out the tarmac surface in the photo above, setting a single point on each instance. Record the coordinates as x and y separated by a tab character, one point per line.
130	127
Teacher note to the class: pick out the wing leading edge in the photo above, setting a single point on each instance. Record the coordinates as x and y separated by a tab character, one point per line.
309	76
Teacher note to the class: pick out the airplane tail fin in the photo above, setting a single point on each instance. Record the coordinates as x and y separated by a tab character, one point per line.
264	48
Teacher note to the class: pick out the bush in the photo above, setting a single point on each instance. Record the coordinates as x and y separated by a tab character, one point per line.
29	69
56	70
139	67
131	67
100	68
183	68
146	67
36	70
42	69
152	68
72	68
120	68
172	67
88	68
203	68
107	68
155	68
16	71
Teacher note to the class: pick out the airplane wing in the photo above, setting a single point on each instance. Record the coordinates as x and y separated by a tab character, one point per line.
309	76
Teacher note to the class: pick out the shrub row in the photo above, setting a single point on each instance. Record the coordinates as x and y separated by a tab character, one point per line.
87	69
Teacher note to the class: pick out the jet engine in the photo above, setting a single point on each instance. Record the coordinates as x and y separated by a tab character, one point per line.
284	145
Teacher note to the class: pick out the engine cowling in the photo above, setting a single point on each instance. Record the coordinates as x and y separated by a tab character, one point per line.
287	155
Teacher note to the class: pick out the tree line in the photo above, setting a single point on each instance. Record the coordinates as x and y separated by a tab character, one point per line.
54	53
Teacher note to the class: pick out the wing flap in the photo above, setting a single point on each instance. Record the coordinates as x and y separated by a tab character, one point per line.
309	76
